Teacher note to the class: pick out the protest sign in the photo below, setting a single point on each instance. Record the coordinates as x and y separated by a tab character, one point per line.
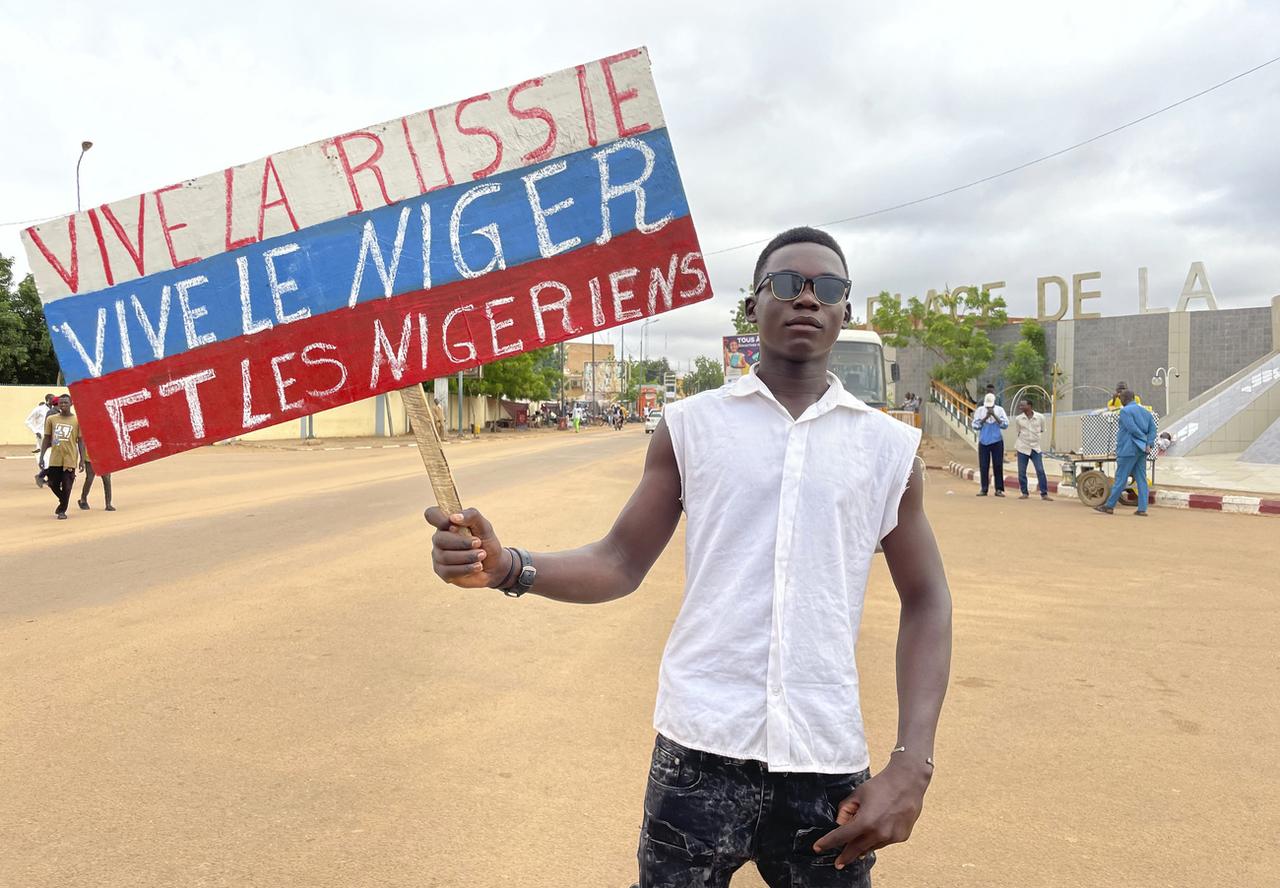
363	263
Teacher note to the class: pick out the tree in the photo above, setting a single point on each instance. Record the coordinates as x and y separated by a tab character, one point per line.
650	372
739	317
26	353
707	373
952	325
1028	359
522	377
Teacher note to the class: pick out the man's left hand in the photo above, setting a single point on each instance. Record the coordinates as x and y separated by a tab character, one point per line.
880	812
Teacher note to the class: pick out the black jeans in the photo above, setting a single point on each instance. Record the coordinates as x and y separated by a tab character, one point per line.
706	815
994	453
61	482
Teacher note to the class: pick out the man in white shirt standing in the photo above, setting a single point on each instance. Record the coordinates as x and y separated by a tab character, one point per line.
1030	426
760	753
35	422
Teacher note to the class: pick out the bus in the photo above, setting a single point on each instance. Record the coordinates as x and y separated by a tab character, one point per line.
858	358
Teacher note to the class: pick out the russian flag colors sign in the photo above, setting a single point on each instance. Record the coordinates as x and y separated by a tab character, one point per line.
368	262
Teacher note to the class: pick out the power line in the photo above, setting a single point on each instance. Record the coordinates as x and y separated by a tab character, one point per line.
1021	166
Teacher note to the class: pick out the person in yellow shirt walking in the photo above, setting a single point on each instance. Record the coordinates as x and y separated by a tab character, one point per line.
66	453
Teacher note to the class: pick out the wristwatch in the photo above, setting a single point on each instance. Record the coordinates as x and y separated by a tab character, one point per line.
526	575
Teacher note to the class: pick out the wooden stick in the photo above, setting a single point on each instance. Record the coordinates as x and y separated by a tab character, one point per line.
431	450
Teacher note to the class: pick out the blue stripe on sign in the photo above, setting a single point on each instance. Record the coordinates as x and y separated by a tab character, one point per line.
314	271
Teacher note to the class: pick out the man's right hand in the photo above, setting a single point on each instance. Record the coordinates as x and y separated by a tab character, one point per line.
474	562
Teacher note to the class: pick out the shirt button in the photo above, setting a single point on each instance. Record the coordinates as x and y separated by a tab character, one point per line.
776	691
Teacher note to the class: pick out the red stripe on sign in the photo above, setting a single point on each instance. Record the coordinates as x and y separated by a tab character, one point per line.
250	382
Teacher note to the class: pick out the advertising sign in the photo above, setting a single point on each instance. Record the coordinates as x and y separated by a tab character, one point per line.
740	354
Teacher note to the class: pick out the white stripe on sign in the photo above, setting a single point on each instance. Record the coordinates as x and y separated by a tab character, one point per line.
534	121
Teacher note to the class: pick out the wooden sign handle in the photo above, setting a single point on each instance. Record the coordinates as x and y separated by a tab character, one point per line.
431	449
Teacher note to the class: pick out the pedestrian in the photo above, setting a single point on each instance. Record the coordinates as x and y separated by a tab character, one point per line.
35	422
577	417
760	753
989	420
1135	436
66	453
1116	401
83	502
1163	443
1030	426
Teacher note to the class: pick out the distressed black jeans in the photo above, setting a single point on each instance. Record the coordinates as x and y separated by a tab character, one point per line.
706	815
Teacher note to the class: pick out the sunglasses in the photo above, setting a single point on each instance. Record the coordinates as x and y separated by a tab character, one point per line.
787	285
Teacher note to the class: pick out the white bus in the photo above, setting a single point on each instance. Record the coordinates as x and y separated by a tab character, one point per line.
859	360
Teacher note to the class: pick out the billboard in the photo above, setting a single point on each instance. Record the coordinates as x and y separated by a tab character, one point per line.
741	353
369	261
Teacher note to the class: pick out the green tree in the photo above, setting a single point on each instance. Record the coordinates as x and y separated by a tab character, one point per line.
520	377
739	317
42	364
13	338
952	325
707	373
1028	360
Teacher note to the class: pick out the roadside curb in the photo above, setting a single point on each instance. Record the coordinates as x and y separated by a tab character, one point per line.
1172	499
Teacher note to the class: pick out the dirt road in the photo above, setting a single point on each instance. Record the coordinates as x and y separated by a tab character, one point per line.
247	676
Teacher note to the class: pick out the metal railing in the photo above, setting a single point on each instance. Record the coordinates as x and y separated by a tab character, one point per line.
959	407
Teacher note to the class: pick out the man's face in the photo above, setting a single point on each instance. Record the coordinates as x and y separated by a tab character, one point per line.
1121	386
803	328
1026	408
64	405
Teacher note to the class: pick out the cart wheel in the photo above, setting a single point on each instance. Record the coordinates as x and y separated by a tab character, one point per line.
1092	487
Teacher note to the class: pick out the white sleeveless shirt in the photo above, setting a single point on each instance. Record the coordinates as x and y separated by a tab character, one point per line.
783	519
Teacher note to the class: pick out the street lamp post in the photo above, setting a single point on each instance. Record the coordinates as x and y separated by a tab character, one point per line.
1161	378
644	337
84	146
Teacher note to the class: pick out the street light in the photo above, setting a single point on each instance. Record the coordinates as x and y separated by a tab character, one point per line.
1162	379
644	339
84	146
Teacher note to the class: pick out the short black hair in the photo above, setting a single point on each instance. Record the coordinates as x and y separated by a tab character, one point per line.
801	235
1126	396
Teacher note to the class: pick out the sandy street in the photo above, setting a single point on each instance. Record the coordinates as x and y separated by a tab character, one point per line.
248	676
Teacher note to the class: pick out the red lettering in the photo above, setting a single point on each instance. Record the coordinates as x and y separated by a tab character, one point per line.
102	248
70	278
413	155
282	201
371	163
588	113
228	176
134	254
479	131
543	151
617	98
448	177
168	229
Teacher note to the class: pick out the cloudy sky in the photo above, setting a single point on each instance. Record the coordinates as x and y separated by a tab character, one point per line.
781	114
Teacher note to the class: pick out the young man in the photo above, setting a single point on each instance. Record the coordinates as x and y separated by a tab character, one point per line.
1117	400
62	434
83	502
35	422
1030	429
990	421
1135	435
760	753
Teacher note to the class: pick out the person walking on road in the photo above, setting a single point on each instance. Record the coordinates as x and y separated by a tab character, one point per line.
66	453
35	422
990	420
1135	436
1030	426
760	753
83	502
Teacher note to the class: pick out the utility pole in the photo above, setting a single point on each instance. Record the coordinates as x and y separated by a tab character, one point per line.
593	373
84	146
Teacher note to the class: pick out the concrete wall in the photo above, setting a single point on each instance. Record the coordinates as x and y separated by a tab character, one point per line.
16	402
1206	347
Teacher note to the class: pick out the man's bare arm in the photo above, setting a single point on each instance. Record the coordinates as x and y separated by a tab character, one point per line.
888	805
606	569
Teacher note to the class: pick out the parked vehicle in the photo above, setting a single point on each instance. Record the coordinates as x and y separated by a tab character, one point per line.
651	421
